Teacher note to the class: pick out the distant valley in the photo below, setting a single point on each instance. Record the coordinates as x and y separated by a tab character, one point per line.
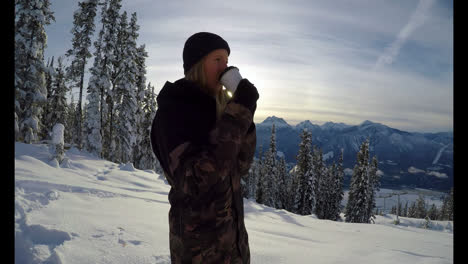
406	160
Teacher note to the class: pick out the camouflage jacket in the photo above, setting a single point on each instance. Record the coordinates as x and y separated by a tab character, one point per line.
203	161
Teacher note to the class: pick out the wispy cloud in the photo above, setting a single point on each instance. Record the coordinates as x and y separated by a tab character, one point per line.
416	20
437	174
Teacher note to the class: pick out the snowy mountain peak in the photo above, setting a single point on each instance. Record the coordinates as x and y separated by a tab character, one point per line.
306	124
337	126
279	122
367	123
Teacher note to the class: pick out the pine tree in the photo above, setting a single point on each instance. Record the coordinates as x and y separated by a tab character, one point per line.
49	77
321	184
248	180
98	83
83	28
99	125
393	210
399	209
144	156
450	205
282	198
125	92
260	193
432	212
271	172
420	207
112	52
58	101
443	214
31	17
304	203
338	188
405	210
412	211
358	203
328	211
141	151
373	187
253	179
292	190
70	120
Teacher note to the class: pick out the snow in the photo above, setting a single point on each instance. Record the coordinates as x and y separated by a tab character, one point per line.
415	170
439	153
96	211
328	155
57	134
438	174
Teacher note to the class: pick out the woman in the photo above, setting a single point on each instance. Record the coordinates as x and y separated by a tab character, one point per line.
205	142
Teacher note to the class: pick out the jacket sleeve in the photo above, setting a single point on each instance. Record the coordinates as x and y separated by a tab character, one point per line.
196	169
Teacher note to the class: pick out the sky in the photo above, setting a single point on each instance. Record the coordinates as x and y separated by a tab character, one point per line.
389	62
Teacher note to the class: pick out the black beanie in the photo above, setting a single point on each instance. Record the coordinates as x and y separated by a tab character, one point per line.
199	45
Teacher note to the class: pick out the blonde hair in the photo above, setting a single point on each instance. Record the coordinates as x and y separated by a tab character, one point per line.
196	74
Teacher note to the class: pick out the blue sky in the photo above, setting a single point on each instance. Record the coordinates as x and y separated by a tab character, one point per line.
388	61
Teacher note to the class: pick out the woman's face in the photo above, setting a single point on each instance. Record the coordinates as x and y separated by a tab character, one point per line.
215	62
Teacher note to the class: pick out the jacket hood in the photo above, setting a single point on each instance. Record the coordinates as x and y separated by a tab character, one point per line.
184	93
186	112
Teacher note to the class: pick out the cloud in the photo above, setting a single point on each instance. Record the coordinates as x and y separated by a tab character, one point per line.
414	170
438	174
417	19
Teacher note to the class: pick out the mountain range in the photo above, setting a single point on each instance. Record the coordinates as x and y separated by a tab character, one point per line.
406	159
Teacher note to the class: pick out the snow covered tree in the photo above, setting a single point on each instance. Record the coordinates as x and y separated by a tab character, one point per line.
99	138
393	210
125	91
83	28
421	211
322	184
412	210
57	141
450	206
432	212
143	155
49	77
405	210
31	17
271	172
304	202
70	120
248	180
145	158
58	101
112	61
261	185
357	206
253	178
93	120
373	187
282	191
338	189
292	189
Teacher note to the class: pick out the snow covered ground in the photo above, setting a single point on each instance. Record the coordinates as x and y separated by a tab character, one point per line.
89	210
